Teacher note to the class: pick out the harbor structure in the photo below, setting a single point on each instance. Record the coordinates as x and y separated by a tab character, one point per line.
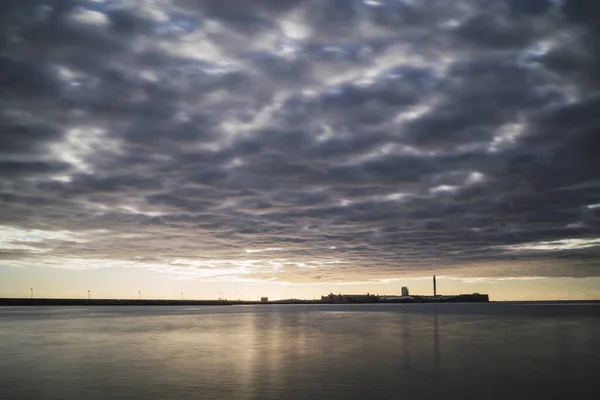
340	298
350	298
406	297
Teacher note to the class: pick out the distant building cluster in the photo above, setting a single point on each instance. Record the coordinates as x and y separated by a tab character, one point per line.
362	298
404	298
350	298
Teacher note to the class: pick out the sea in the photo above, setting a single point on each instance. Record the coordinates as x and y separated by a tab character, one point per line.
372	351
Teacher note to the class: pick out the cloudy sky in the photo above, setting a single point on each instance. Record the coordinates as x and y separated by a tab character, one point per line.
294	147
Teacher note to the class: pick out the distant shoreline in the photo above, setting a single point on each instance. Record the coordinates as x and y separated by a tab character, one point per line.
332	299
132	302
166	302
141	302
115	302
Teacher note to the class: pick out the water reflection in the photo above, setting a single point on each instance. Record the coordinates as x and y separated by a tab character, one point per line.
299	352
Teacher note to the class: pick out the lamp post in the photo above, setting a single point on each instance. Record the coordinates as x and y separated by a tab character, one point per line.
31	292
139	294
88	294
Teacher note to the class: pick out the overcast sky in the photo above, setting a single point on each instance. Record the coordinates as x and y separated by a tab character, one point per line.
301	141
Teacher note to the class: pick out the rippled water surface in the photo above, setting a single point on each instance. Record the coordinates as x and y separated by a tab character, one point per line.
419	351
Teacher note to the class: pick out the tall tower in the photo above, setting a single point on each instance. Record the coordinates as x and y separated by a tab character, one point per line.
434	287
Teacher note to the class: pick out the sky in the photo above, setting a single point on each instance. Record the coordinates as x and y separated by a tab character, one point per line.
293	148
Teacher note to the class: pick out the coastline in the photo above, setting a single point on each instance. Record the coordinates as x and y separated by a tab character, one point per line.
157	302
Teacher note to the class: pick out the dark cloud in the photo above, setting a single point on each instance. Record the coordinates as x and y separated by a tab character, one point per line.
34	167
271	139
529	6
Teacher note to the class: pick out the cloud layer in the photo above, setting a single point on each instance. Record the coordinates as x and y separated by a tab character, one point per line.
301	140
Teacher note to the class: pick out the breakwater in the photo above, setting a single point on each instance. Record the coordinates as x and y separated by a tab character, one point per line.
149	302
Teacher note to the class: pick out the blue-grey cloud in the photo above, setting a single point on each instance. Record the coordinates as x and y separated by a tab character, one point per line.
266	139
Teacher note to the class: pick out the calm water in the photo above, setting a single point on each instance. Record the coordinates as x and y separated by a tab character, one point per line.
446	351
